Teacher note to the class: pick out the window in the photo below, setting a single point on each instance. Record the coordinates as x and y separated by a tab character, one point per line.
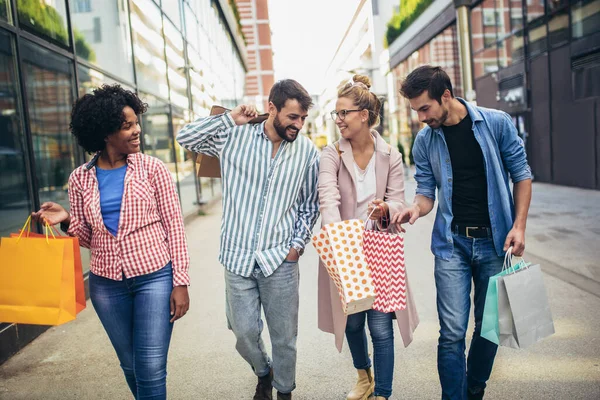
176	66
490	23
48	20
516	18
102	37
558	29
375	7
537	35
586	76
149	48
172	9
535	9
554	5
4	10
158	141
15	203
49	81
492	17
89	79
585	18
485	61
82	6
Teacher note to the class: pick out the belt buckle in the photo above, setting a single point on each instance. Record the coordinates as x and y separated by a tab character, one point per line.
467	231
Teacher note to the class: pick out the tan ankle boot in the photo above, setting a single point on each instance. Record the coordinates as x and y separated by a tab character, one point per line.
364	386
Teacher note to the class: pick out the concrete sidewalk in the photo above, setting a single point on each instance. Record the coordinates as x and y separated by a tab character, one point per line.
76	360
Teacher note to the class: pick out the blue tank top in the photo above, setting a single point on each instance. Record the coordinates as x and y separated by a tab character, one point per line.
111	183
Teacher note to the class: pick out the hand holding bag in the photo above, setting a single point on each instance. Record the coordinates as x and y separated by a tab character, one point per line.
384	253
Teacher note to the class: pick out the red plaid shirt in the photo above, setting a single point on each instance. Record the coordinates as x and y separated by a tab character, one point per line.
151	231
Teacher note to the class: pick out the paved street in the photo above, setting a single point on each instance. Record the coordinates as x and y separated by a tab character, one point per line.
76	361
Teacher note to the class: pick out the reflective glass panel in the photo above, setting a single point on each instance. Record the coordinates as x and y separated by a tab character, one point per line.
537	38
535	9
158	141
46	18
149	47
585	18
176	66
3	9
172	9
554	5
485	62
185	164
491	22
50	85
102	35
477	27
504	18
558	28
15	203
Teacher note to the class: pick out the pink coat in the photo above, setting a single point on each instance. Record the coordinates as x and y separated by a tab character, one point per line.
337	197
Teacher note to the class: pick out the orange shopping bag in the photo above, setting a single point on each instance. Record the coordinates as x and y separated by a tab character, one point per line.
37	280
80	302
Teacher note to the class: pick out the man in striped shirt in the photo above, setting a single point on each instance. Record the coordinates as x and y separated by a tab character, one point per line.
269	176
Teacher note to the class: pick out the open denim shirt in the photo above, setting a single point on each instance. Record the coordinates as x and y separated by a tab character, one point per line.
503	153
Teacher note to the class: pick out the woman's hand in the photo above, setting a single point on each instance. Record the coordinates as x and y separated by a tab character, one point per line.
52	214
180	302
381	209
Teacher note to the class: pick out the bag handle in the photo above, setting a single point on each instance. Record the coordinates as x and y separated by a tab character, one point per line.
47	227
509	259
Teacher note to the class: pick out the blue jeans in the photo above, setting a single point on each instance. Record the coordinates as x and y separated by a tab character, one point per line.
278	295
382	335
476	260
135	313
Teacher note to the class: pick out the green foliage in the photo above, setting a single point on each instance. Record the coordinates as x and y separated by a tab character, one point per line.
84	50
236	13
3	10
410	10
45	20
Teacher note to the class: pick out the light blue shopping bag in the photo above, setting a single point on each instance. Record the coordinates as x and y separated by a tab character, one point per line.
490	328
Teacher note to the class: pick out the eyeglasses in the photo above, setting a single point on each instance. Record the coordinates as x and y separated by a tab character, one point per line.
342	114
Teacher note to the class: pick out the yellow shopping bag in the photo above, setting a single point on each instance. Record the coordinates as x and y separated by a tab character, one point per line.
37	280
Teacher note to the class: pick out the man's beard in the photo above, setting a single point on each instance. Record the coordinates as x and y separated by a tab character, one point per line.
436	123
282	131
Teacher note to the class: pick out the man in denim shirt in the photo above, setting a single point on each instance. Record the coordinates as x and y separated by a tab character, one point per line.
467	153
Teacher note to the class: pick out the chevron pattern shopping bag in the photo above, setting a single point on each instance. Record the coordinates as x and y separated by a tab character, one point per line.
384	253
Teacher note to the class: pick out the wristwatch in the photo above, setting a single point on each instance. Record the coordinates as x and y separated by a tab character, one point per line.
299	249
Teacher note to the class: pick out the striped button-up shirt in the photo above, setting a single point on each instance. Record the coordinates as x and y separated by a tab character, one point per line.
266	200
151	231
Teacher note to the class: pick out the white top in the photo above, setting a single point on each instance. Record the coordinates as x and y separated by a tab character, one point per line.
366	187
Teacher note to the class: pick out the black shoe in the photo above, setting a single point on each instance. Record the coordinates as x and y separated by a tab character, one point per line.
475	394
264	388
284	396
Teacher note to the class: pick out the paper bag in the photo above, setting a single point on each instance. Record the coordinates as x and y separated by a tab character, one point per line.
209	167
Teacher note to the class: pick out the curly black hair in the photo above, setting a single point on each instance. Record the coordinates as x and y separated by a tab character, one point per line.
100	114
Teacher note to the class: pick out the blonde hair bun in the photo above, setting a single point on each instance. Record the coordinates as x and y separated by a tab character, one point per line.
362	79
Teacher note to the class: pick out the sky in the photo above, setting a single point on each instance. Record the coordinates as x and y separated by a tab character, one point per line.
305	35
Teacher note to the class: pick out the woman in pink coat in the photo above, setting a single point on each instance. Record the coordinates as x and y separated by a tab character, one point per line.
357	174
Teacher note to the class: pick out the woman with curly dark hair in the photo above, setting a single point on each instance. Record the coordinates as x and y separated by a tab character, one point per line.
125	209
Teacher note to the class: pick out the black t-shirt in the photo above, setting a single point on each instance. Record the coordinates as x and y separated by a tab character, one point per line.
469	184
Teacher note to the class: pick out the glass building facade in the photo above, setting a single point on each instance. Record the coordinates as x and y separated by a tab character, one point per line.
181	56
539	61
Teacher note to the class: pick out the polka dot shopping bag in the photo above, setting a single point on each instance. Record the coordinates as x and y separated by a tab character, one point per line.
340	247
